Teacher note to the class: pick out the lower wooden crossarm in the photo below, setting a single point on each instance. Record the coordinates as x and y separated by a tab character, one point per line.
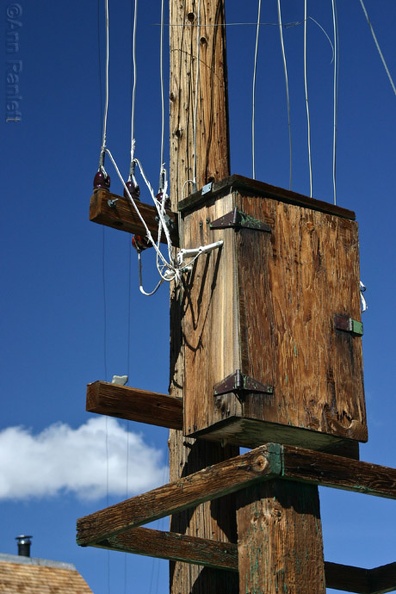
383	579
175	547
267	461
211	483
224	556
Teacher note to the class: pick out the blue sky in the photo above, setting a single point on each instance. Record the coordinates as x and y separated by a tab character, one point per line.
71	311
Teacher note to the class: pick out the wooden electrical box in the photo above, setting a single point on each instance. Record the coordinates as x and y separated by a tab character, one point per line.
271	321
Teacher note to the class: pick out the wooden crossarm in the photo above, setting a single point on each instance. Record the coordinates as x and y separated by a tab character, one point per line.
268	461
224	556
211	483
383	579
338	472
175	547
134	404
117	212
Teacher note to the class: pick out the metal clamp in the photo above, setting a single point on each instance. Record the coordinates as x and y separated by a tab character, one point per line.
347	324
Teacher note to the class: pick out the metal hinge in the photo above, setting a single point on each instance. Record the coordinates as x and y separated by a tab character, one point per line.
239	382
237	219
347	324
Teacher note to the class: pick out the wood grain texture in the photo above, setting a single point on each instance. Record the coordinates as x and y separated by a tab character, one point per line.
224	556
122	215
265	305
338	472
199	147
133	404
175	547
181	494
288	463
280	539
198	93
253	187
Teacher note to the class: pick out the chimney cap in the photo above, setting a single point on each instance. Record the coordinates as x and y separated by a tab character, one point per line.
24	539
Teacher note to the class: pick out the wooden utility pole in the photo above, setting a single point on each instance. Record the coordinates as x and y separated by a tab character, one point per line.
199	154
265	353
284	543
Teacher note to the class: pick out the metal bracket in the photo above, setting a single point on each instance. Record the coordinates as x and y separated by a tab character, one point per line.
207	188
240	383
346	324
237	219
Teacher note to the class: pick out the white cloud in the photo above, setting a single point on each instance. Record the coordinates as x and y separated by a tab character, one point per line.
98	458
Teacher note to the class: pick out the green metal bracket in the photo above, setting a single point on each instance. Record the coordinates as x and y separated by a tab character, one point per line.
346	324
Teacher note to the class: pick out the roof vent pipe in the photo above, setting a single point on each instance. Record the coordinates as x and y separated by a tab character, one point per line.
24	543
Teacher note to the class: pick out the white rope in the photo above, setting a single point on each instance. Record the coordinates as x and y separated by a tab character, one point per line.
335	98
307	99
156	202
287	91
254	91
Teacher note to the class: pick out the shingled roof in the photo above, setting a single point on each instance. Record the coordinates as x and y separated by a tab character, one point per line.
28	575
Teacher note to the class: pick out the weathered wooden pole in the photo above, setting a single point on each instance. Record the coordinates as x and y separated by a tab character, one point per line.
199	153
279	530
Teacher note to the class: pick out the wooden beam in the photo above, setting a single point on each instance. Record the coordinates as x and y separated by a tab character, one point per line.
347	578
337	472
229	476
175	547
117	212
199	153
252	187
224	556
135	405
213	482
383	579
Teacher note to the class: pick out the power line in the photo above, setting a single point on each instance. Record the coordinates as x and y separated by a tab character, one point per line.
254	91
287	92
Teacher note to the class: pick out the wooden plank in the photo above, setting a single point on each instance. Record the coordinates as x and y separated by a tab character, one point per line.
253	187
347	578
117	212
212	482
328	470
252	433
280	539
175	547
134	404
224	556
229	476
383	579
